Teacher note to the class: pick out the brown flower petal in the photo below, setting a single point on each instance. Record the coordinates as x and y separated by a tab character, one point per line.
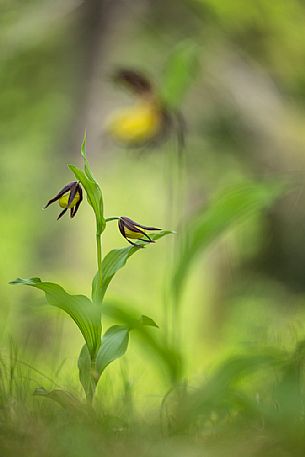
133	80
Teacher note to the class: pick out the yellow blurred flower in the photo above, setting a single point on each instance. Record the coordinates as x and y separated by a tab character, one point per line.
136	125
144	122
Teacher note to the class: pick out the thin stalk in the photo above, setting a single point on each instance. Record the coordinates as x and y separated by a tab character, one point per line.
99	257
114	218
179	186
176	178
90	393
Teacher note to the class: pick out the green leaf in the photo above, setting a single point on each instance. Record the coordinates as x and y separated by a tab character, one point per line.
180	71
145	320
94	196
115	260
115	341
217	390
87	376
83	152
96	290
63	397
85	314
171	360
127	316
114	345
232	207
93	190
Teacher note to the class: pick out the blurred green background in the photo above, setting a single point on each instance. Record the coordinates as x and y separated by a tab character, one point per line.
245	116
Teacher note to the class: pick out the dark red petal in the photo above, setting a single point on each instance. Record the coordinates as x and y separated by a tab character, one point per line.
132	225
133	79
121	227
62	213
72	194
61	193
72	213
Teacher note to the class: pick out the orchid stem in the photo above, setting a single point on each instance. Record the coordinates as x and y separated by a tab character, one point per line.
99	257
109	219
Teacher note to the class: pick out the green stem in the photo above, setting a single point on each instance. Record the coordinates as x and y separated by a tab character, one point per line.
99	246
108	219
99	257
93	380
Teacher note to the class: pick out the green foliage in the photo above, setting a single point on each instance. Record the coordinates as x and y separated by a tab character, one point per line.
115	260
145	320
93	190
232	207
245	400
114	345
168	356
95	355
181	70
87	374
62	397
116	338
251	404
228	392
85	314
233	372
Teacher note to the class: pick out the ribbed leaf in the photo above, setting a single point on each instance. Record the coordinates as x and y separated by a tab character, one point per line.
171	360
87	378
232	207
115	340
85	314
83	152
63	397
114	345
115	260
93	190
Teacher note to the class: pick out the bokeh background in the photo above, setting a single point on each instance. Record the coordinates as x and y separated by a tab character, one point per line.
245	116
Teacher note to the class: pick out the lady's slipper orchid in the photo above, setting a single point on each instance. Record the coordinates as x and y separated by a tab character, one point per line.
147	121
133	230
70	197
138	125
